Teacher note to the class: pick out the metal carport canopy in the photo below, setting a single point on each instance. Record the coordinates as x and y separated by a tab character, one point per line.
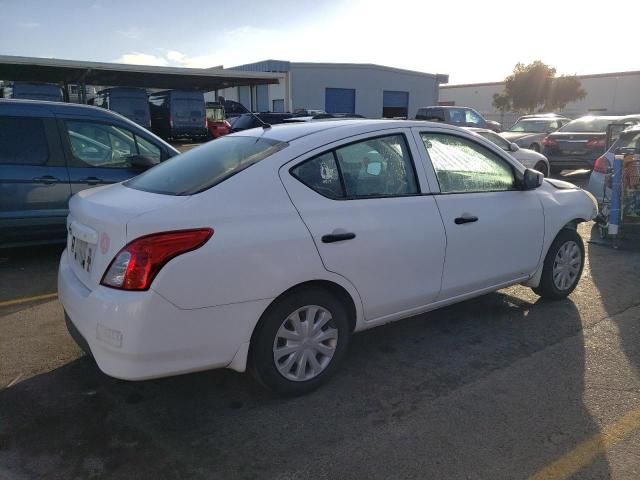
53	70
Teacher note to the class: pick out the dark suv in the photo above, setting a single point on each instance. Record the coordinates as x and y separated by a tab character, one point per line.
459	116
49	151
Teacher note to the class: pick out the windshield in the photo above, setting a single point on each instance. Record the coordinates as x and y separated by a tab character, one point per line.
587	124
205	166
533	126
495	138
629	142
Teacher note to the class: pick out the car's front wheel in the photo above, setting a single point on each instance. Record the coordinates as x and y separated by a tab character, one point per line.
562	266
542	168
300	342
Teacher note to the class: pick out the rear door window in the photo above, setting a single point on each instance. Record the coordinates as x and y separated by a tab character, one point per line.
23	141
376	167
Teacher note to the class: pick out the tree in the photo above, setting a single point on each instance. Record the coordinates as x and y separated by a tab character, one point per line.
564	89
502	103
528	86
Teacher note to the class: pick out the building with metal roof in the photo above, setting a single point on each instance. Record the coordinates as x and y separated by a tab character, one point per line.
356	88
82	73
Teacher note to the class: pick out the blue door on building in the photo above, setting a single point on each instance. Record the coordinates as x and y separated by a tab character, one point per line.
262	98
395	104
340	100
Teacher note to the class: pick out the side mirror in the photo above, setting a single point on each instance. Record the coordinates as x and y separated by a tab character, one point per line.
532	179
513	147
141	163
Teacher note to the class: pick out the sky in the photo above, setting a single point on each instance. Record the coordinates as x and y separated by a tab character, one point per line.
472	41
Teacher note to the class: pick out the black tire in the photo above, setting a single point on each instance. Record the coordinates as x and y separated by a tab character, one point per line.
542	168
535	147
261	355
548	288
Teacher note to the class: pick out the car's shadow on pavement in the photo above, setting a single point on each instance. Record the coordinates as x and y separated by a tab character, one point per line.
616	275
452	394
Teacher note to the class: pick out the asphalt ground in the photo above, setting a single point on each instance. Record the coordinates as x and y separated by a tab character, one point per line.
505	386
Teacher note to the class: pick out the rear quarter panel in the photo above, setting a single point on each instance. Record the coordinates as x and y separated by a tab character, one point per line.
260	247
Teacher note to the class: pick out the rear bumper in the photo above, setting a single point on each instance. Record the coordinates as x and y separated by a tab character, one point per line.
569	162
140	335
178	132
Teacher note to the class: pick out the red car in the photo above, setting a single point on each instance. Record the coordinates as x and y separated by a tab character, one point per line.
216	123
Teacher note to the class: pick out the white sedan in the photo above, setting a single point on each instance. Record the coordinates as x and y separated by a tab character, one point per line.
268	248
527	157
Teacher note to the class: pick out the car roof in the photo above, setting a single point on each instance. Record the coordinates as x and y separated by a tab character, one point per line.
447	107
548	116
42	108
287	132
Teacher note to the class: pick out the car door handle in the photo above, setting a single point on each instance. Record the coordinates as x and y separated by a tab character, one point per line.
92	180
47	179
461	220
338	237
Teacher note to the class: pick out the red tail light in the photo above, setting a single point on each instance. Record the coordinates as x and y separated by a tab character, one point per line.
549	142
138	263
601	164
597	143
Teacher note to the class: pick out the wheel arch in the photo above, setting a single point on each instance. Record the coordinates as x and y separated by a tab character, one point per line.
534	281
350	299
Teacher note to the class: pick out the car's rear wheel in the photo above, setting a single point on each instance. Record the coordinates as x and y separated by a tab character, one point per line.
542	168
535	147
562	266
300	342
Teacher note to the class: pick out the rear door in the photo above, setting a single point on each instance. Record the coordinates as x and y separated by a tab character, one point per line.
494	230
101	153
188	112
362	203
34	184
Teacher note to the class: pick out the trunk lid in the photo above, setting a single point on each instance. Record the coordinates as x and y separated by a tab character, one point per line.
576	145
97	226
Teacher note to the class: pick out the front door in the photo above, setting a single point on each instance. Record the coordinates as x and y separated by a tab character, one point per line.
363	206
494	230
100	153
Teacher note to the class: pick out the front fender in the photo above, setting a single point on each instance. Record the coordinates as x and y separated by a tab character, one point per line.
564	207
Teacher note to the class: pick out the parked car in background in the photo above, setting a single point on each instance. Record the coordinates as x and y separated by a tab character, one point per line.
33	91
178	114
234	109
459	116
627	142
541	115
254	120
580	142
128	102
49	151
217	124
270	248
304	112
528	158
530	131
